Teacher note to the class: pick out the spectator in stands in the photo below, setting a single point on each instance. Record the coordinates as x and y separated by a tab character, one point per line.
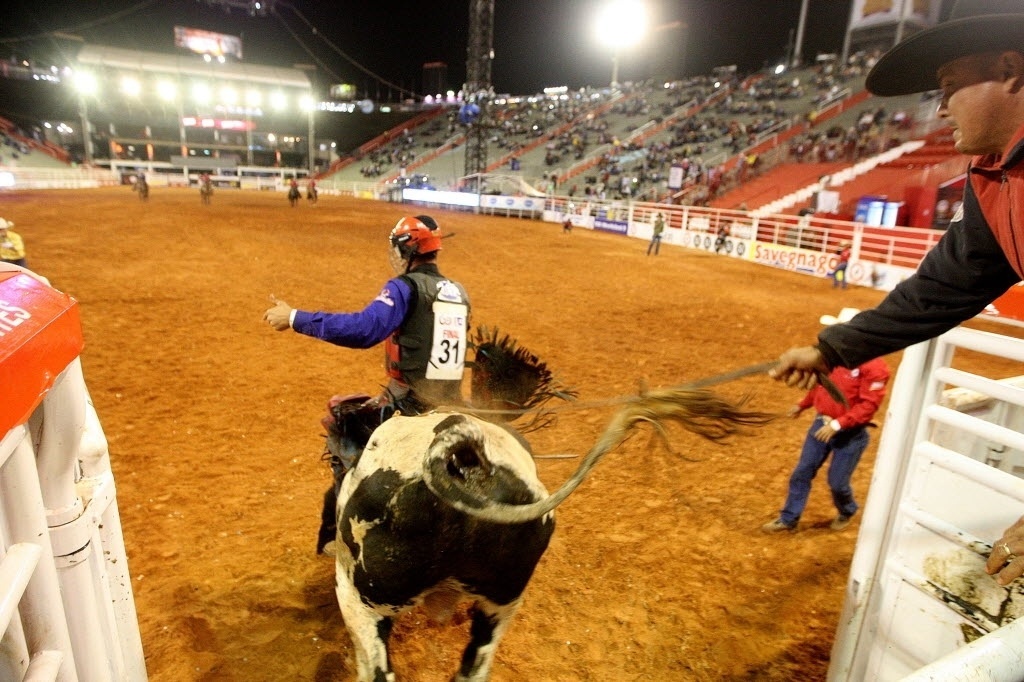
659	228
838	430
977	60
12	247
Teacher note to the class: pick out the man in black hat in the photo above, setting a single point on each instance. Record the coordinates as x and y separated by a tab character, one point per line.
977	60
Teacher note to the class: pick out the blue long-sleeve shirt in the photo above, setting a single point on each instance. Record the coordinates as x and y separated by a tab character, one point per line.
364	329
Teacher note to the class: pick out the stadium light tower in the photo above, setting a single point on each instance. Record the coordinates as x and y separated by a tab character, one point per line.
86	86
620	25
478	89
168	92
308	104
797	58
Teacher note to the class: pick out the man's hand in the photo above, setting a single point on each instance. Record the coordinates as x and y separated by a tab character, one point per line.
1003	562
799	367
278	315
795	411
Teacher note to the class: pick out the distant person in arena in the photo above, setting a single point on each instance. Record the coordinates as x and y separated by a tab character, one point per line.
423	318
12	247
977	59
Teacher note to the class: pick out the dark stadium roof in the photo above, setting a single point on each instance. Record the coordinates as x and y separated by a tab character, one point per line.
191	65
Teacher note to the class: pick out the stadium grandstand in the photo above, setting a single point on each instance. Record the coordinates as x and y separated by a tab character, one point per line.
786	166
800	139
199	108
690	141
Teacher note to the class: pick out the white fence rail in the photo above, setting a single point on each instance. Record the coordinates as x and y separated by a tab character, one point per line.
67	611
14	177
919	605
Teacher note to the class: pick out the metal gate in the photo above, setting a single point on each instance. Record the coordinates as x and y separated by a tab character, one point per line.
66	606
919	605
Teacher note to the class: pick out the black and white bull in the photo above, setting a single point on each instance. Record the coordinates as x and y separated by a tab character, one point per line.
446	506
399	545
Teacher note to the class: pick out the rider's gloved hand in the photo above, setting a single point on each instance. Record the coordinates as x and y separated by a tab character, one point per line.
278	315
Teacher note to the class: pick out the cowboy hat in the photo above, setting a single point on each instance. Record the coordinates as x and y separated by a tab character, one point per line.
845	315
974	27
4	224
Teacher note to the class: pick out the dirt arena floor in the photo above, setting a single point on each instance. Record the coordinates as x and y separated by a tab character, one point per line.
657	569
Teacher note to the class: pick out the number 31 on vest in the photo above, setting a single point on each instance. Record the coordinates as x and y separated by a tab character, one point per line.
448	351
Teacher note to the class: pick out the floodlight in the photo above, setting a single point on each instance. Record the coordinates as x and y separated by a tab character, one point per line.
622	23
166	90
278	100
201	93
131	86
228	95
306	103
253	98
86	83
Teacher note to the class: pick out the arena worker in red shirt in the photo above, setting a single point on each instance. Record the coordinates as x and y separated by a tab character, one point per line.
976	58
837	430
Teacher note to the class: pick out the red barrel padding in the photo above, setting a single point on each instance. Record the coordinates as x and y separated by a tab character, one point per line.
40	335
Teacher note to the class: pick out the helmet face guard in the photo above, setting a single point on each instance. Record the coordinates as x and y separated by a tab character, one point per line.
412	236
399	265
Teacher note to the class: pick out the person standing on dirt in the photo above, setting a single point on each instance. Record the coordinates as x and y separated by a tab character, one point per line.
659	228
977	60
724	230
12	247
838	274
423	319
837	430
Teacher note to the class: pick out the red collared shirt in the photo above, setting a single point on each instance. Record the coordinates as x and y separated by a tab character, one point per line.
863	387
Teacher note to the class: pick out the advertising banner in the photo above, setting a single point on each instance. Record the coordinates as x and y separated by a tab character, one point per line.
207	42
512	203
866	13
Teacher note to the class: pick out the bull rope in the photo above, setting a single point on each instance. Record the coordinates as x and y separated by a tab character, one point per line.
574	405
697	410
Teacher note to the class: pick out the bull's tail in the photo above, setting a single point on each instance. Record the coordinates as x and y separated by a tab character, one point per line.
699	411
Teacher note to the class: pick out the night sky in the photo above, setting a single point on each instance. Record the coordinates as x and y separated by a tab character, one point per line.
537	43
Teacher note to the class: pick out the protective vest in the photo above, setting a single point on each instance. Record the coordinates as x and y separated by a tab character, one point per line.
427	353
